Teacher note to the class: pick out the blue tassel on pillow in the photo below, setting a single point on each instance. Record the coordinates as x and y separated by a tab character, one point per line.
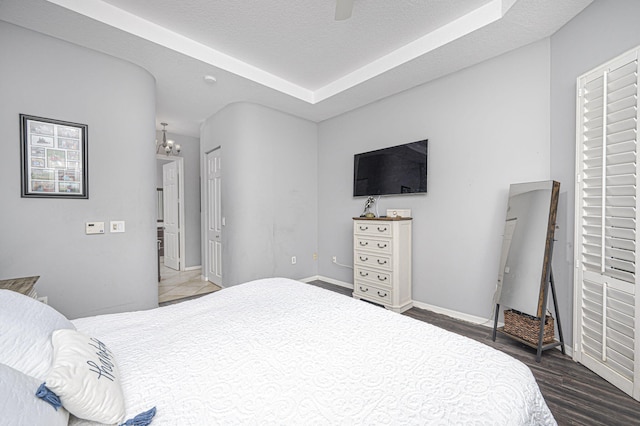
45	393
142	419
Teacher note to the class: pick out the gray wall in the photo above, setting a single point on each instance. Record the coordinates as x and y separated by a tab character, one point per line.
269	191
81	274
487	128
575	49
190	151
159	173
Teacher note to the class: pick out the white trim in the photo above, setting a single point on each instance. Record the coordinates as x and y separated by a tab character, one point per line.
455	314
420	305
204	211
193	268
568	349
181	214
577	230
204	278
473	319
454	30
327	280
111	15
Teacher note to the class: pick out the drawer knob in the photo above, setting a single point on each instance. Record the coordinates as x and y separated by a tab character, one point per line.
364	289
382	228
364	259
364	243
364	228
382	278
382	262
382	245
365	274
381	294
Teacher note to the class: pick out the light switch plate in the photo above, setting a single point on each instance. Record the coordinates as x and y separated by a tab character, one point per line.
398	212
94	228
116	226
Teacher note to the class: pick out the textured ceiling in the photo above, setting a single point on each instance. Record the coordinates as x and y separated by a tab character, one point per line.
299	40
291	55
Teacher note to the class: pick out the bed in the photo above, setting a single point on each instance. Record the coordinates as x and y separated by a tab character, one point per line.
277	351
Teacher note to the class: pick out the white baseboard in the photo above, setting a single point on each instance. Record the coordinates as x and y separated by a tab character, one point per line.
193	268
475	320
204	278
327	280
455	314
487	322
421	305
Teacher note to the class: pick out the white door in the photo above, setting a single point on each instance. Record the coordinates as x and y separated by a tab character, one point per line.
214	217
171	215
606	304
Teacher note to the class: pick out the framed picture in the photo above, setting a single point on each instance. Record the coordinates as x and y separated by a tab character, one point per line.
53	158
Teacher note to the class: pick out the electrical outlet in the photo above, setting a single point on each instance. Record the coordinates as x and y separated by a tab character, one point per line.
293	260
117	226
334	259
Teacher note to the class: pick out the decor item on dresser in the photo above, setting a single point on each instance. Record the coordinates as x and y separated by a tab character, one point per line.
382	261
398	212
278	351
53	158
367	208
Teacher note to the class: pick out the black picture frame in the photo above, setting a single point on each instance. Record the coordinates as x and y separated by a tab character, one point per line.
53	158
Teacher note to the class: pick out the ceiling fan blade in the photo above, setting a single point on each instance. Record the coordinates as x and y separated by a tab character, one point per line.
343	9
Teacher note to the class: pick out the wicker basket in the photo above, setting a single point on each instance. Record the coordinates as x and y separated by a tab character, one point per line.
527	327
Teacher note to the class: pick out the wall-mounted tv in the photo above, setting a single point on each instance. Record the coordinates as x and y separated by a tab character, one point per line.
398	169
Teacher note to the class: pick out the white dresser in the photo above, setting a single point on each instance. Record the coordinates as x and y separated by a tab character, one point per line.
382	261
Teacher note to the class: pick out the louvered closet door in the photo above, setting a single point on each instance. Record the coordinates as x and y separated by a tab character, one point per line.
606	306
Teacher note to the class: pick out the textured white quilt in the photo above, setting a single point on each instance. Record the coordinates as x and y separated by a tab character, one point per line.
277	351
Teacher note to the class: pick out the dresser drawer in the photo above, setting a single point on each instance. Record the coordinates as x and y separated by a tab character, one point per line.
377	245
372	260
373	293
376	277
372	228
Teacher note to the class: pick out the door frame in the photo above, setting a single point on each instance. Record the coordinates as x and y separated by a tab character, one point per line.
205	211
181	233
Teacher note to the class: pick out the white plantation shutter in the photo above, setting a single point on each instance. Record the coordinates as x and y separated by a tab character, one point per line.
606	308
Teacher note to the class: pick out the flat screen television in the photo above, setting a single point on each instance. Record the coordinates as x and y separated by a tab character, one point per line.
398	169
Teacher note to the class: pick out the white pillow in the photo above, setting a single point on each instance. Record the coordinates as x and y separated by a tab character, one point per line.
85	377
25	333
19	404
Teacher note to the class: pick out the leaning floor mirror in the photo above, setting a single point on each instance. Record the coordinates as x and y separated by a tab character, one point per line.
525	274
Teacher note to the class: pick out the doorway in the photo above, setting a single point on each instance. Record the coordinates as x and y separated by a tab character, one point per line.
213	216
171	222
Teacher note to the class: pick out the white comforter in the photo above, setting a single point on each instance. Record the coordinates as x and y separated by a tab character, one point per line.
277	351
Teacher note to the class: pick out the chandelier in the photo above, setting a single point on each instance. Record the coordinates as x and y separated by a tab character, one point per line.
168	146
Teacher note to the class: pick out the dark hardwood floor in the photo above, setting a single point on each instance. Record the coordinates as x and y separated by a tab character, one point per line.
575	395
